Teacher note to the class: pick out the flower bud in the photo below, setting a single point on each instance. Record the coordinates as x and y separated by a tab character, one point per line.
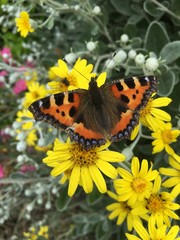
90	46
21	146
96	10
139	59
124	38
132	54
151	64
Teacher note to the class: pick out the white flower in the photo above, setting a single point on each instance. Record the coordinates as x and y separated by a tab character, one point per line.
21	146
110	63
139	59
21	136
16	125
70	57
96	10
120	56
90	46
132	54
27	192
41	142
124	38
48	205
151	64
29	207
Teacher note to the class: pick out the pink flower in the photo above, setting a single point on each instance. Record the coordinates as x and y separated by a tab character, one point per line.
19	86
27	168
6	54
2	173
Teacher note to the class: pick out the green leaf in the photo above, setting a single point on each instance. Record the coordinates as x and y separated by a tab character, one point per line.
156	37
152	9
122	7
50	23
63	200
166	82
170	52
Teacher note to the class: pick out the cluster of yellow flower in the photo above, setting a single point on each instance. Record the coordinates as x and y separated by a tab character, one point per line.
36	234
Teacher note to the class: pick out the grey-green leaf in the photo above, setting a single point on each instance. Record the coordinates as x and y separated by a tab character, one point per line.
156	37
170	52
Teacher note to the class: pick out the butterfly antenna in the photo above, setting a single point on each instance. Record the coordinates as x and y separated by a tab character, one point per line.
107	63
75	69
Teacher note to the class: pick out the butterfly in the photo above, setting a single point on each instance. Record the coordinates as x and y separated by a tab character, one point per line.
94	116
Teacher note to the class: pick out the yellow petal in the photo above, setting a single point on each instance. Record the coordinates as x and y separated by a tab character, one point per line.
107	169
111	156
161	102
62	167
101	79
74	180
160	114
135	166
86	179
98	178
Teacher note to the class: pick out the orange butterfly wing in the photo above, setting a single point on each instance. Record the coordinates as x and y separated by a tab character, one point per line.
133	93
60	110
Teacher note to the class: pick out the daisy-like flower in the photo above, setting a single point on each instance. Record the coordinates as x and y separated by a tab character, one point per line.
34	233
124	212
173	172
161	206
23	24
164	135
31	138
151	113
154	232
78	77
36	91
24	117
83	167
137	184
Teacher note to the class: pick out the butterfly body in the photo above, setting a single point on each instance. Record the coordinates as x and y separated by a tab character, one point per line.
93	116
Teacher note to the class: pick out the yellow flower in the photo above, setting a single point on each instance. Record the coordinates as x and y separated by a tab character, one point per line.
174	172
83	167
31	137
36	91
125	212
43	232
23	24
150	114
137	184
25	117
30	76
164	136
34	234
154	232
161	206
66	79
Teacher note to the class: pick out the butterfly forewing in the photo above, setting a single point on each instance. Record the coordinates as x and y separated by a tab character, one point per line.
133	93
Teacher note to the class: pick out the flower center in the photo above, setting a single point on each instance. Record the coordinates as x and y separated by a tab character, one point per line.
126	208
147	109
82	157
167	136
155	203
139	185
35	94
72	80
